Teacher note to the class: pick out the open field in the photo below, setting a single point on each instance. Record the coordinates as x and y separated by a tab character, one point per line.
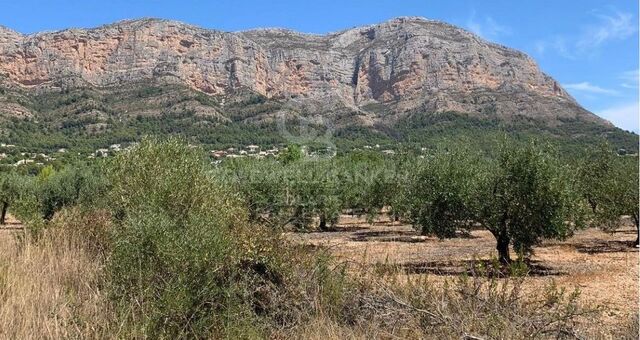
603	266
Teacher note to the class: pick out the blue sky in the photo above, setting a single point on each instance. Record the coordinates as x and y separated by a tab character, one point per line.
590	46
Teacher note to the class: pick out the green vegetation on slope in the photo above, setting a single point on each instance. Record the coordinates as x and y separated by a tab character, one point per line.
426	131
85	119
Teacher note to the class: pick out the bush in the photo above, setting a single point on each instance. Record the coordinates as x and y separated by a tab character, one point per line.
181	246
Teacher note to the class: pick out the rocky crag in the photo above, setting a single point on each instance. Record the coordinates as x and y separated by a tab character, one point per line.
376	73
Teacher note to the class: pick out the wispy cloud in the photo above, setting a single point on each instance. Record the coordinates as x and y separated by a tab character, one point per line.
618	26
557	43
587	87
630	79
624	116
588	41
486	27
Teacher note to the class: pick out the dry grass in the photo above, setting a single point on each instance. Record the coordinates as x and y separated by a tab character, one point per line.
52	288
602	266
327	329
49	289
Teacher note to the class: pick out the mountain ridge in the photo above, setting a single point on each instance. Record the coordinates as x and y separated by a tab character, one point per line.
369	76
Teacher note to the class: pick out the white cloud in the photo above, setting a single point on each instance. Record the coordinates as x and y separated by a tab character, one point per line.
624	116
630	79
496	29
556	43
587	87
540	46
588	41
611	27
487	27
561	46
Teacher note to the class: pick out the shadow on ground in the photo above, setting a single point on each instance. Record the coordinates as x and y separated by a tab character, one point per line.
388	236
484	268
11	226
409	236
603	246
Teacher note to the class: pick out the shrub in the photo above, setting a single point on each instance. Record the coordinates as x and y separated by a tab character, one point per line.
182	250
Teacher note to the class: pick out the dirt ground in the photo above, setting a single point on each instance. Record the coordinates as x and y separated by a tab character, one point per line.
603	266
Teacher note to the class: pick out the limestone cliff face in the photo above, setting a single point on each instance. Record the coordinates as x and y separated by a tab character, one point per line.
403	65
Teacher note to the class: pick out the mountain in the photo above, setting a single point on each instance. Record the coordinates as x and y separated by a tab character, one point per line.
150	75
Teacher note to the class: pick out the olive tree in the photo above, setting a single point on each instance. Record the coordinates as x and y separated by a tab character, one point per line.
404	172
525	196
370	183
623	191
74	184
521	197
312	191
11	188
262	187
292	153
327	201
356	172
609	183
440	194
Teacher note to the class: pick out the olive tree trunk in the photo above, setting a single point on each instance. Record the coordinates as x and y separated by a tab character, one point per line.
503	249
636	222
3	215
323	223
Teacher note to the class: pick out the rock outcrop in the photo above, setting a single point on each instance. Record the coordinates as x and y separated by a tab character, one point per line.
403	65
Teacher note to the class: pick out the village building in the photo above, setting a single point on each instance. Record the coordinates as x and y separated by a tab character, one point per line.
23	161
218	153
102	153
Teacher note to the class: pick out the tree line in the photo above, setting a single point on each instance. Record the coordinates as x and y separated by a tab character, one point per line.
522	193
158	242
